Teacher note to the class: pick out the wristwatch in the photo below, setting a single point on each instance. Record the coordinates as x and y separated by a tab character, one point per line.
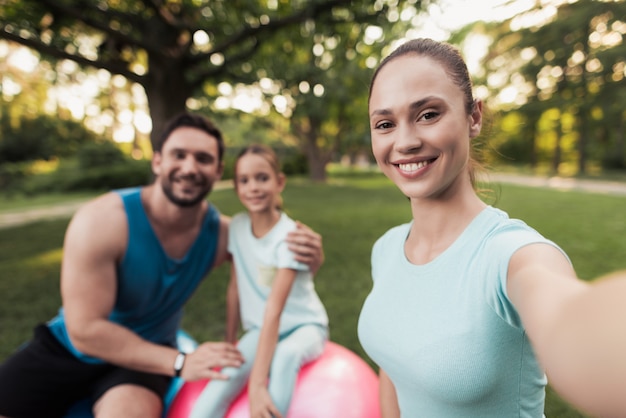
179	363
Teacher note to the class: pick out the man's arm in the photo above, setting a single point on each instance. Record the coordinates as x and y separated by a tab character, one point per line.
94	242
222	253
307	246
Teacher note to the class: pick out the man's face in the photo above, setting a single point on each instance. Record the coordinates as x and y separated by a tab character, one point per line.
187	166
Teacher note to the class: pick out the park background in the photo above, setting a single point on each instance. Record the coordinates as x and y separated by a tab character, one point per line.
86	85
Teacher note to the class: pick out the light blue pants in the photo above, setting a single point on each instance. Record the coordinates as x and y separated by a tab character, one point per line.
294	349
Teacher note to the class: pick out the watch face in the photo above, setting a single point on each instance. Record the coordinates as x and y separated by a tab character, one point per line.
178	363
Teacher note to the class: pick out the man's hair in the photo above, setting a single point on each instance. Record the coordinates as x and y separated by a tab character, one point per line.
191	120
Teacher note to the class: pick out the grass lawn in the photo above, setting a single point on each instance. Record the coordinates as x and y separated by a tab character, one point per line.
350	213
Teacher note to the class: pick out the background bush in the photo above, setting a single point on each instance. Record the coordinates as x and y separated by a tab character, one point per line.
125	173
41	138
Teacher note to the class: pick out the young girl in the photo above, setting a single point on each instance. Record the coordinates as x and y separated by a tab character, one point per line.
469	307
284	320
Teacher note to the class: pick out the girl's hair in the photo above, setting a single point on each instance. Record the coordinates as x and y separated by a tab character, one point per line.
451	60
266	153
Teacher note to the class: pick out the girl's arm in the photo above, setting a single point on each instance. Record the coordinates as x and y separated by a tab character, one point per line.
261	404
232	308
577	329
388	400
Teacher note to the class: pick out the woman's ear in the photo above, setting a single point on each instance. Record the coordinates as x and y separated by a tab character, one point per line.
476	119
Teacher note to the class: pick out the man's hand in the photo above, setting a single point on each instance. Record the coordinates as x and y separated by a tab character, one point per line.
203	362
307	246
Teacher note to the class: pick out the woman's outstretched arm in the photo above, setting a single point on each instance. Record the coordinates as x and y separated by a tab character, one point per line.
577	328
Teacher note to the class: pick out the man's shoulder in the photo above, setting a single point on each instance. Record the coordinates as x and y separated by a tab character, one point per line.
106	210
98	229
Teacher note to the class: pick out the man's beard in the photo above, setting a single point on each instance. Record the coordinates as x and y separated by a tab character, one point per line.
167	188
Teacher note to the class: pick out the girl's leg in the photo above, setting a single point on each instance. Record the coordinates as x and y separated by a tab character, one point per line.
297	348
217	396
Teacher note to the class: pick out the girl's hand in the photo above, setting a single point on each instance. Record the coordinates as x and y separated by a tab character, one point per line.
261	405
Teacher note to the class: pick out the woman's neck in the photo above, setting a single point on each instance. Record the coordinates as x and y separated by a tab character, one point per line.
437	223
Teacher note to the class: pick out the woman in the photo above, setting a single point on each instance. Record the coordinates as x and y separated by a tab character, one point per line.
469	307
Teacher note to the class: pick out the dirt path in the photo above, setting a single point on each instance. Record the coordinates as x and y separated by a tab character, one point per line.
561	183
15	218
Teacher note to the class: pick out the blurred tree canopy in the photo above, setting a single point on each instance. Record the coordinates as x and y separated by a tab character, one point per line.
568	73
179	49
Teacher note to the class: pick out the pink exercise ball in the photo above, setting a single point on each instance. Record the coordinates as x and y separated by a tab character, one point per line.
338	384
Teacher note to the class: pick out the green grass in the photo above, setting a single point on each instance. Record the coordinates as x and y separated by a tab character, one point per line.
350	212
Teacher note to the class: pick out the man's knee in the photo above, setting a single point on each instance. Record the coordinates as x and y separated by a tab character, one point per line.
129	401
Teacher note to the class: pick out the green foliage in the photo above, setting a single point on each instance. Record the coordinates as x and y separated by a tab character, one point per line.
75	178
314	56
296	164
99	154
12	174
176	48
292	160
100	165
568	72
41	137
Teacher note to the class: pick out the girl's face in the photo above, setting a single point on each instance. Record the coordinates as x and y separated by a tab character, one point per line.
258	186
420	130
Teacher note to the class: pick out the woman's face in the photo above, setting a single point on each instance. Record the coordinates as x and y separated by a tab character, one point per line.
420	129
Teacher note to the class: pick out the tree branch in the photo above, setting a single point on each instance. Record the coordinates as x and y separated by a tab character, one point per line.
212	73
81	16
112	67
163	13
309	12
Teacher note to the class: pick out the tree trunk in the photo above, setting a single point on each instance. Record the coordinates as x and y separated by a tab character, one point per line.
307	131
532	136
317	168
167	91
556	156
620	145
315	156
582	141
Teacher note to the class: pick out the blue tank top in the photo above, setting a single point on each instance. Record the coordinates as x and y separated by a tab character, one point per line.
152	287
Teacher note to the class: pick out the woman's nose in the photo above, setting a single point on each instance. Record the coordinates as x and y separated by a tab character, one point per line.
408	139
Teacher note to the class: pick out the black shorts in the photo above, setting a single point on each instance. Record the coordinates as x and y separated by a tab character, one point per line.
43	379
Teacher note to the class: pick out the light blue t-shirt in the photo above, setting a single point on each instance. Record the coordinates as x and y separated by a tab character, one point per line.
446	333
256	262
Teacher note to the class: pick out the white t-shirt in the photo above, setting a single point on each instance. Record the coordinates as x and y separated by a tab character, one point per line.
257	261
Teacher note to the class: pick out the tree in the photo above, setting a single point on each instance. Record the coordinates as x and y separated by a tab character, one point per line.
173	48
322	75
574	64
